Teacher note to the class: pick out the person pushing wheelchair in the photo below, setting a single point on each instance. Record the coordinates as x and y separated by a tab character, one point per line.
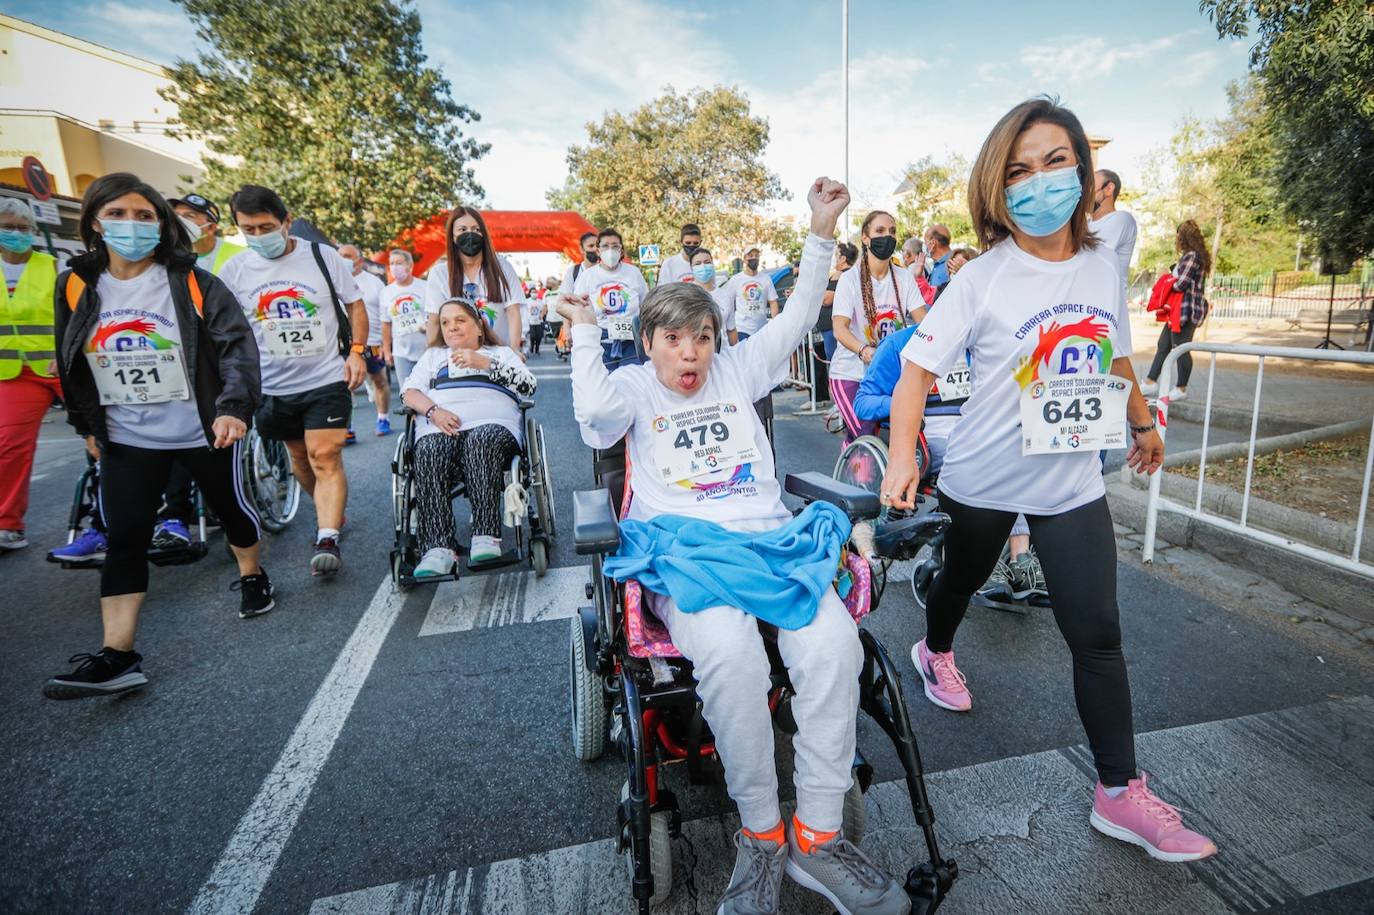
704	472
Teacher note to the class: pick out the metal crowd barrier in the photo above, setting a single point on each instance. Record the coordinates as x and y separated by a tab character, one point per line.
1158	502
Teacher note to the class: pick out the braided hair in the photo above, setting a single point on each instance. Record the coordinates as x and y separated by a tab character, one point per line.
866	277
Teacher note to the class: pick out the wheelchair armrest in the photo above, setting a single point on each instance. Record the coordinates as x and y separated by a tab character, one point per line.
858	504
524	404
595	528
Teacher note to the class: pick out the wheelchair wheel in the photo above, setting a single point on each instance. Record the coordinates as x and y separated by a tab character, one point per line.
588	706
660	852
539	555
541	479
266	466
855	817
924	574
862	463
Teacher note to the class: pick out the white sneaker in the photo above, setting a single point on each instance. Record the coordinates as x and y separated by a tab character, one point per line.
1149	388
436	562
13	540
1177	394
484	549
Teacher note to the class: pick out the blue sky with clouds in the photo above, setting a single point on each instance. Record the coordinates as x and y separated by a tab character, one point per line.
925	78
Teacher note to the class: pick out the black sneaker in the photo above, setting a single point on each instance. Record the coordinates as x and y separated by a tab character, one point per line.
255	594
102	674
326	560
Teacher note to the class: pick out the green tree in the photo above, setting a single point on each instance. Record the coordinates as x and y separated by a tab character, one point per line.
331	104
694	157
1314	60
935	191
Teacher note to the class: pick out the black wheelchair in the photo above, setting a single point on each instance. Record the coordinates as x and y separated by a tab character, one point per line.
535	527
632	688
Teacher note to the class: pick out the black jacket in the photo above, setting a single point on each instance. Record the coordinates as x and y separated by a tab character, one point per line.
226	379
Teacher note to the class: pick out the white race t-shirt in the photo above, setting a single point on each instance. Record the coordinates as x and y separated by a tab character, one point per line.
614	294
889	316
137	315
743	493
674	269
474	406
475	288
292	289
12	274
751	295
371	288
405	303
534	312
1118	233
1021	319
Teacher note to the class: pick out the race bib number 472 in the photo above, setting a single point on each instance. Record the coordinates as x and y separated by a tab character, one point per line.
1070	413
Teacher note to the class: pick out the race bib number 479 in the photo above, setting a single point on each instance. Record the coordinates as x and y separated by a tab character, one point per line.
701	440
1070	413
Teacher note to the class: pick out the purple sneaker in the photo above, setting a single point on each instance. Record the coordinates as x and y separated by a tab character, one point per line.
89	546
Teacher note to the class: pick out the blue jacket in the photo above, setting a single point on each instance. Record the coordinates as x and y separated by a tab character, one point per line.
778	575
873	403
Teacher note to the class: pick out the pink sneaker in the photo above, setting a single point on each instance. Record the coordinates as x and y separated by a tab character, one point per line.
943	683
1138	816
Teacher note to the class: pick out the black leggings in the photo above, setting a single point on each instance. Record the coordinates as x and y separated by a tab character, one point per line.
1077	550
479	457
536	336
1167	341
131	484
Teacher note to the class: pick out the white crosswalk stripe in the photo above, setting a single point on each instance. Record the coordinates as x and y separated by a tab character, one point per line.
1019	829
505	599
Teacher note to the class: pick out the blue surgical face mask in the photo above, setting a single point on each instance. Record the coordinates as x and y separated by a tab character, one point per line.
1042	203
271	246
704	273
16	241
131	239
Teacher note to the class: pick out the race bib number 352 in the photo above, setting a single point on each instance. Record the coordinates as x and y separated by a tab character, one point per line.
1070	413
701	440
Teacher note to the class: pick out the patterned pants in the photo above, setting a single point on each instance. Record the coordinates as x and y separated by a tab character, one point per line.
476	457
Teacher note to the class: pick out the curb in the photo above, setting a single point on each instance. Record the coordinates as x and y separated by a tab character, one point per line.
1308	578
1305	436
1232	418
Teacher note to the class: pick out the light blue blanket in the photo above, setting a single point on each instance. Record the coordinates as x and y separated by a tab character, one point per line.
778	575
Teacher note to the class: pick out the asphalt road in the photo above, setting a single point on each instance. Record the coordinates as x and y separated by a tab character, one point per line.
355	739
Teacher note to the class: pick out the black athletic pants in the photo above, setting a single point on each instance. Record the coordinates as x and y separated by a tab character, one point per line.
131	484
536	336
180	506
1167	341
1077	550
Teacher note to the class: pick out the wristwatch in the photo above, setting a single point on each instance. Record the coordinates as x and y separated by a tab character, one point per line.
1141	430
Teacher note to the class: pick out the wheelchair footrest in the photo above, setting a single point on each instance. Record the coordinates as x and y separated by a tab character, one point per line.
508	558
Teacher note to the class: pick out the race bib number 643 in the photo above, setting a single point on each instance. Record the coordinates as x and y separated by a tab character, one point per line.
1070	413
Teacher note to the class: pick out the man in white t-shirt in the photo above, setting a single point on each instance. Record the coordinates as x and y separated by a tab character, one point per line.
755	297
679	266
614	290
371	288
403	316
1115	227
689	389
293	293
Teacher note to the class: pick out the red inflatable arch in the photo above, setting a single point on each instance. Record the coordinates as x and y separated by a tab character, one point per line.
511	231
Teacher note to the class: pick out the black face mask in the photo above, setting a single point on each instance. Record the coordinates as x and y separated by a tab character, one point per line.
752	263
592	256
690	251
470	243
883	246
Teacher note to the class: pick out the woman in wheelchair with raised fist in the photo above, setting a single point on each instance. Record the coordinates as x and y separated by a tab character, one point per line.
690	394
465	430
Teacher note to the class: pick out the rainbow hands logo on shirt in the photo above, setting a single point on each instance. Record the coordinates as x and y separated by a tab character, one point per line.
884	323
612	299
403	304
276	304
660	424
753	292
719	489
128	336
1083	346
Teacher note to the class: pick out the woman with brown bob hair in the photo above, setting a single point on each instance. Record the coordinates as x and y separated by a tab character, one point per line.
1041	316
1190	273
486	279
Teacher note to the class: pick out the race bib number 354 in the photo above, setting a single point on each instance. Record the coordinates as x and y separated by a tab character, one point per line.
1070	413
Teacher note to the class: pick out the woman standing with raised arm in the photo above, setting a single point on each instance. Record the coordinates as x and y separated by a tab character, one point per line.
1043	318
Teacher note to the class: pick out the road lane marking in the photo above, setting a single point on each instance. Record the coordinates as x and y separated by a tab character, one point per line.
1003	820
505	599
248	859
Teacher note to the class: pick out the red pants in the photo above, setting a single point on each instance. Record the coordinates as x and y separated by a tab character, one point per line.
23	402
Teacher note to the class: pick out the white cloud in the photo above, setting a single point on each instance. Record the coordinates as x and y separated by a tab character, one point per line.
157	34
1072	59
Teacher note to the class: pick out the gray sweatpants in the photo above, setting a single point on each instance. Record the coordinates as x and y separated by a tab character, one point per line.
823	658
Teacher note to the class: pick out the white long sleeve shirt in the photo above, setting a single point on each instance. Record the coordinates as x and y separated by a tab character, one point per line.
742	494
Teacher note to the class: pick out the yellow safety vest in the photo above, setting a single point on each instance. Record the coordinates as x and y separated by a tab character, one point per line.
225	252
26	328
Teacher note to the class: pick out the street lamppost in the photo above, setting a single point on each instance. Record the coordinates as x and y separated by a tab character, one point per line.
844	80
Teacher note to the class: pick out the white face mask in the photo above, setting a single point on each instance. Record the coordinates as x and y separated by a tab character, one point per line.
610	258
192	228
